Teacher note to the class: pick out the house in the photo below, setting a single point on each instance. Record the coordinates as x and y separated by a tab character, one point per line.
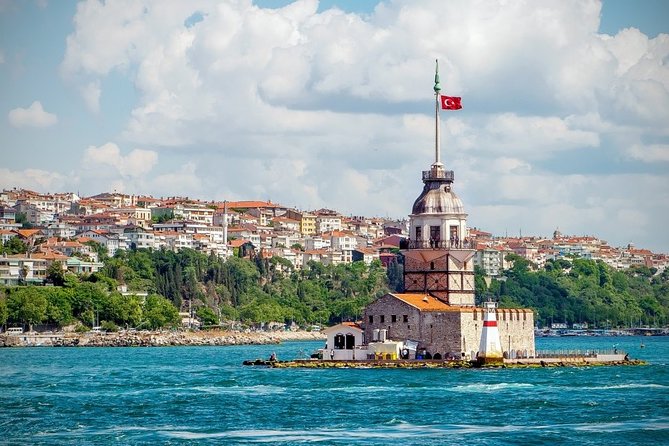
79	266
107	239
327	220
345	342
307	221
343	241
366	255
139	237
16	269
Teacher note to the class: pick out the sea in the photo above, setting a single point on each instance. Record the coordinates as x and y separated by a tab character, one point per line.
204	395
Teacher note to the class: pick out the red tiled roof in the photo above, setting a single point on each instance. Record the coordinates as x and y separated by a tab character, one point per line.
249	204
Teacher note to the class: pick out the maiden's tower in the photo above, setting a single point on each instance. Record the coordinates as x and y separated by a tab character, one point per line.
436	316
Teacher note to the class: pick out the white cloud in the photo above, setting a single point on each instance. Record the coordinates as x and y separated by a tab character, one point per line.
134	165
33	116
314	108
91	94
650	154
33	179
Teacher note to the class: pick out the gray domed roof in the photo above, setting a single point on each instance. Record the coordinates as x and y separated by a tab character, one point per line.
437	199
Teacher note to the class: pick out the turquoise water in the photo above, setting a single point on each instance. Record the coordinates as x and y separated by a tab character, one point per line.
203	395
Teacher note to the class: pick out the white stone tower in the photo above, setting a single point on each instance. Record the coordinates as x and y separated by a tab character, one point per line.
437	258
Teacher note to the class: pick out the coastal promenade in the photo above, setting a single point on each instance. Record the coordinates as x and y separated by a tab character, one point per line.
155	338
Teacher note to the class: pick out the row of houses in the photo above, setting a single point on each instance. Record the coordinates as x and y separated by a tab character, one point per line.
492	252
121	221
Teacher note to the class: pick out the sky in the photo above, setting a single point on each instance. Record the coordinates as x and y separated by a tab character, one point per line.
565	119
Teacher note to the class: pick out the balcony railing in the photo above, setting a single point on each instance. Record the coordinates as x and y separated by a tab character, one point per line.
437	244
447	175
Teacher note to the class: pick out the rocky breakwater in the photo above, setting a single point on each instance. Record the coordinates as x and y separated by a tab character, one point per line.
164	338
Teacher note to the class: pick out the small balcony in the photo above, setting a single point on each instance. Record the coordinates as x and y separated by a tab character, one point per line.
436	244
434	174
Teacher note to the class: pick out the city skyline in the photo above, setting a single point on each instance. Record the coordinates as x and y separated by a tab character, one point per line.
330	105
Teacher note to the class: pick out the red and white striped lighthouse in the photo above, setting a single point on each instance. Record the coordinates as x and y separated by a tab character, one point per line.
490	350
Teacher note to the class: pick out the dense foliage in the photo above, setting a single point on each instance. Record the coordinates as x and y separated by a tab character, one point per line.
87	303
251	291
260	290
579	290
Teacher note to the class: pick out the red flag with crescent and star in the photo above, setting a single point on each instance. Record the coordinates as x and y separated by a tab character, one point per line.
451	103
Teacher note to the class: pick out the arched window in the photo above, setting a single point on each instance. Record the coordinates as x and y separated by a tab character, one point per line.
350	342
339	341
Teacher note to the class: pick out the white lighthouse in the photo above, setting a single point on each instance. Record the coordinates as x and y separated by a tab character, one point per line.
490	350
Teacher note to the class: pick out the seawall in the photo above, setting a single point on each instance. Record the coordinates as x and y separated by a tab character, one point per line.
155	338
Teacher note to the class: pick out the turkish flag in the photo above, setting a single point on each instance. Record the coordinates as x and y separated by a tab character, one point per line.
450	103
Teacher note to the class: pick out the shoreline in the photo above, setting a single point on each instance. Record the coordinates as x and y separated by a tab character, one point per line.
156	338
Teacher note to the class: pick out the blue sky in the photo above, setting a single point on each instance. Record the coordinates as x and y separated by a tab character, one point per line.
329	104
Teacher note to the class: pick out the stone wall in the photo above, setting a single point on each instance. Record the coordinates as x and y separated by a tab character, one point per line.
387	306
516	331
455	331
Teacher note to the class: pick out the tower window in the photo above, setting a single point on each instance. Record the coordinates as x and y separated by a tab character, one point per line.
383	319
393	318
406	318
435	233
419	233
371	319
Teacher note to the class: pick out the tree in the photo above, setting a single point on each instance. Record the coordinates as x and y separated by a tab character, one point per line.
27	306
15	246
395	273
22	218
55	273
207	316
58	310
160	313
4	313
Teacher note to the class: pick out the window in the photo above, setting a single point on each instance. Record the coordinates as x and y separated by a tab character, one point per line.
454	235
383	319
435	233
371	319
393	318
405	318
419	233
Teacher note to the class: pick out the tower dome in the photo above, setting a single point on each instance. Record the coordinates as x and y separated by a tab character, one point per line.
437	198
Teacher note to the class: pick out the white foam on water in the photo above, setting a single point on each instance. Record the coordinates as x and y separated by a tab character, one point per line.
488	388
240	390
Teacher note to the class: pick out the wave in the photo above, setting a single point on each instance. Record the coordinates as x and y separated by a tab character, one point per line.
401	430
484	388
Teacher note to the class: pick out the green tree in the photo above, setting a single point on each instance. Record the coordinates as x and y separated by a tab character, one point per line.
27	306
207	316
22	218
55	273
15	246
58	310
160	313
4	312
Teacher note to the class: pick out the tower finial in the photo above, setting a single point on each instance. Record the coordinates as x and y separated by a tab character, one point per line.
437	142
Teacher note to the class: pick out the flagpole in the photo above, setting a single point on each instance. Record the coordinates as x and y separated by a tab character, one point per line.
437	89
